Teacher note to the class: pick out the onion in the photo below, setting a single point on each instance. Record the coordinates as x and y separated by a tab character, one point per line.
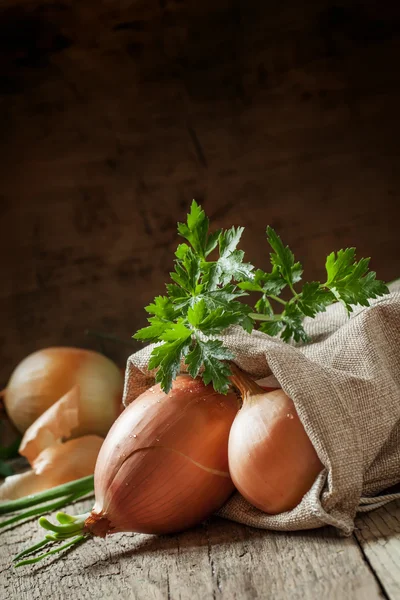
164	464
162	468
272	461
45	376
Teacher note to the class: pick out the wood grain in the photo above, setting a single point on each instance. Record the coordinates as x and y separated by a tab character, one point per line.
378	534
115	115
219	559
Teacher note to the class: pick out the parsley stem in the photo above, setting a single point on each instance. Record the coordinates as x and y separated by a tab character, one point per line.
270	319
295	294
277	299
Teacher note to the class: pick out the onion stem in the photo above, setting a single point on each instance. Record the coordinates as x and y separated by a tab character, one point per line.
78	539
86	485
246	386
70	527
39	510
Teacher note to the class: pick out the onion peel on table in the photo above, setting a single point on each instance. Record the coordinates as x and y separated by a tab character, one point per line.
54	466
53	426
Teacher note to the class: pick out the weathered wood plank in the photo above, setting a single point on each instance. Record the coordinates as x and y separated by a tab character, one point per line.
378	533
219	559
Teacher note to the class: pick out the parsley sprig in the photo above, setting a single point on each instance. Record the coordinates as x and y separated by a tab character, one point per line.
203	299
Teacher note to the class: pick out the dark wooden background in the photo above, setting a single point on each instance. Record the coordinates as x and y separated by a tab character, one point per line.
115	114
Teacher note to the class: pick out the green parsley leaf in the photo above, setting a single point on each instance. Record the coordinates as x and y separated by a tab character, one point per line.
225	269
153	332
175	332
228	240
210	354
204	299
161	307
292	319
176	293
167	358
196	229
340	265
263	306
271	328
197	312
218	320
350	282
314	299
212	242
282	258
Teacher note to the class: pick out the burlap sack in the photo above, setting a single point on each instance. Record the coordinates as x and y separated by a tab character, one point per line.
346	388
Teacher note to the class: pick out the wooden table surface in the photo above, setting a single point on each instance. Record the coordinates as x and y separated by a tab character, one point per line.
218	559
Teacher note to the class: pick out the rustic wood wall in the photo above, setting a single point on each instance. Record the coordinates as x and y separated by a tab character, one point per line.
115	114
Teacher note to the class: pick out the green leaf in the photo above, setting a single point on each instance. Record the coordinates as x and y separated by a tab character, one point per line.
194	361
162	307
175	332
350	282
212	242
196	313
195	230
314	299
225	269
292	320
282	258
210	354
228	241
153	332
181	277
191	263
218	320
248	324
339	265
176	293
181	251
267	283
167	358
233	267
271	283
272	328
225	298
250	286
263	306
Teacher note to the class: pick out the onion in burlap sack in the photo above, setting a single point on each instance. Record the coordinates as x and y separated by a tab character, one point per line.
345	385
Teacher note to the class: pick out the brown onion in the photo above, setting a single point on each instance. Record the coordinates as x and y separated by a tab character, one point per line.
162	468
272	461
45	376
164	464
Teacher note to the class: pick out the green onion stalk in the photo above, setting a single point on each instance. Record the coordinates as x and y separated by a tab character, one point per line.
44	502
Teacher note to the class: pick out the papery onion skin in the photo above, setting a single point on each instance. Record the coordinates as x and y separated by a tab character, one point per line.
56	465
272	461
45	376
164	464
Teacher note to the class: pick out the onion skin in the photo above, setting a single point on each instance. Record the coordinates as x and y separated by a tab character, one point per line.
164	464
56	465
45	376
272	461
